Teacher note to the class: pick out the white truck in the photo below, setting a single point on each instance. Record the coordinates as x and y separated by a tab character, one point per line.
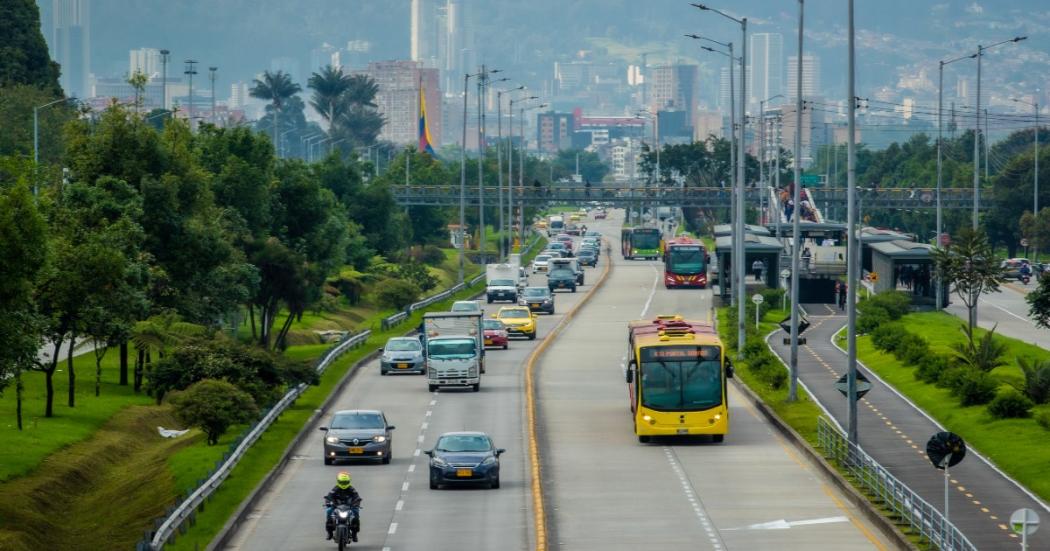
501	282
455	350
555	225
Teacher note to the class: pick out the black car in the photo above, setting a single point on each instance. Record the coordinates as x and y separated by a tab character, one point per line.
464	458
357	434
561	278
538	299
587	257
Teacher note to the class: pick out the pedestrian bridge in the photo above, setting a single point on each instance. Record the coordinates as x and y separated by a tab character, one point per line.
697	197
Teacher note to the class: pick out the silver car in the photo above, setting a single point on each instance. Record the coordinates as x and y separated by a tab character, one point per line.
357	434
402	355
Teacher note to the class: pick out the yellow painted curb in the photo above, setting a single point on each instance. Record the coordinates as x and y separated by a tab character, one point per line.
538	511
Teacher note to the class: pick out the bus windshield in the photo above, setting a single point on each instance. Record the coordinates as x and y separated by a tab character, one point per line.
647	240
681	378
686	260
556	224
451	348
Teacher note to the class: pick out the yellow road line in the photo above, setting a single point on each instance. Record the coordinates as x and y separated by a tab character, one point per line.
539	516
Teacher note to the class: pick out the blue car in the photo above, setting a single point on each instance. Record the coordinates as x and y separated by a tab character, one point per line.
464	458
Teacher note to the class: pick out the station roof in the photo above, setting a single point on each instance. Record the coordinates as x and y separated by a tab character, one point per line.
727	229
877	235
904	250
811	227
752	244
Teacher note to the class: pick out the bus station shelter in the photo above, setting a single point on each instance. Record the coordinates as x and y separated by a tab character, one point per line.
722	230
756	247
905	266
870	236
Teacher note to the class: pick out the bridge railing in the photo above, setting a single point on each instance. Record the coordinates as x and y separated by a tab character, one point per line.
904	504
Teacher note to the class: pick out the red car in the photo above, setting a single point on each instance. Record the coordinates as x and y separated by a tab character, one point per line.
600	215
495	333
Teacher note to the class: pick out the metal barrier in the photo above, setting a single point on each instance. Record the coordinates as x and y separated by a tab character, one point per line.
188	508
911	509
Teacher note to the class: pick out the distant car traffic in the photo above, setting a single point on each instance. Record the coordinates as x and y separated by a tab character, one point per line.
560	247
538	299
357	434
539	264
467	306
518	320
1011	267
464	458
561	278
599	215
402	355
587	257
495	333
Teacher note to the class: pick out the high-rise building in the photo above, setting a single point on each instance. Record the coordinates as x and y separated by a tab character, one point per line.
810	76
146	61
398	99
554	131
766	78
71	44
674	88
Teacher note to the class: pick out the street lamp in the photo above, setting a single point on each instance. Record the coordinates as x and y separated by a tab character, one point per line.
463	175
738	241
510	162
211	75
521	167
1035	194
164	54
36	133
763	150
796	214
977	129
483	82
852	240
647	114
189	72
503	248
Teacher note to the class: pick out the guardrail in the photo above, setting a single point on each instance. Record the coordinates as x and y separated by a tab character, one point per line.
911	509
186	511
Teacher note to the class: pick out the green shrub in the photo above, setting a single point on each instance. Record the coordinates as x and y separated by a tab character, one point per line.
1043	418
1010	404
974	388
931	367
432	255
872	318
213	406
419	274
895	303
1036	380
396	293
912	349
888	336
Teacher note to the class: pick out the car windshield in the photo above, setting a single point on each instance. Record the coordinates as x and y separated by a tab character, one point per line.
543	258
464	443
492	324
536	292
358	420
681	378
555	246
517	313
451	348
465	307
562	272
585	252
502	283
403	345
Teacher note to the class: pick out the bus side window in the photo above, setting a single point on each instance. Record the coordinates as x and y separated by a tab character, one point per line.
630	371
729	368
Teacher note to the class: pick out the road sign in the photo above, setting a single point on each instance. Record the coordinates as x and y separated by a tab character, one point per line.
1024	521
945	449
811	178
873	276
1024	242
757	298
863	385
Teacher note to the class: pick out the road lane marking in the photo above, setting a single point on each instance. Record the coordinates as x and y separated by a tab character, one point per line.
690	494
652	291
404	486
784	524
400	504
412	468
424	426
433	402
393	529
416	453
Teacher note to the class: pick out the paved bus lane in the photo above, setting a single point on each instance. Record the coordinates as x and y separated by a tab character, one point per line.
607	491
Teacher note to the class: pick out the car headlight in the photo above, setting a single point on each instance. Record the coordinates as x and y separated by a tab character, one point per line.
489	461
438	462
380	439
332	439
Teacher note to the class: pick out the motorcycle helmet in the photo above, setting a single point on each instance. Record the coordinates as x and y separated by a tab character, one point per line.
342	480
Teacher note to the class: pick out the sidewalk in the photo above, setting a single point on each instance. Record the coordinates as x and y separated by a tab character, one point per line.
894	432
1007	311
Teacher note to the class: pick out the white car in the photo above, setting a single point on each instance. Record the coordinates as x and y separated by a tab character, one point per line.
540	263
467	306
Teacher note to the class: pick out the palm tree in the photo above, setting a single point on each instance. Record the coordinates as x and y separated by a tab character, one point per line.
362	90
159	332
329	86
275	87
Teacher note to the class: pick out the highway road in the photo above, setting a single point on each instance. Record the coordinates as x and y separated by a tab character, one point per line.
1007	311
604	489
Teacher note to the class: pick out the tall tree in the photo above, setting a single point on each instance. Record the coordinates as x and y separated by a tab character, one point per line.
329	85
969	265
24	58
276	88
1039	303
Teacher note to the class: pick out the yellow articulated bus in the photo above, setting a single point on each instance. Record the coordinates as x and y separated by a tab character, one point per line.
676	379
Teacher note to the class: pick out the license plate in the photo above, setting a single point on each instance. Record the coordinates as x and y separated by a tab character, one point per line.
683	431
534	305
402	366
488	341
464	473
561	285
355	451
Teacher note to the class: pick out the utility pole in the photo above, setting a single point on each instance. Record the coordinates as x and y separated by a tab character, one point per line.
189	72
164	78
499	171
211	76
463	180
796	213
853	243
482	230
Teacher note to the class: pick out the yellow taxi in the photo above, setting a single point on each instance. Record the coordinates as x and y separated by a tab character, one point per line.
574	217
519	321
541	224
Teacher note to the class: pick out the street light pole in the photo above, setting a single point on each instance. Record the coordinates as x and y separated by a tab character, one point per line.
211	76
499	170
940	162
463	179
164	78
796	213
853	243
189	72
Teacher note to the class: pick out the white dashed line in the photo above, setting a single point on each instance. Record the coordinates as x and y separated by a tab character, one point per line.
652	291
386	549
429	413
433	402
393	529
694	500
416	453
400	504
424	426
404	487
419	438
412	468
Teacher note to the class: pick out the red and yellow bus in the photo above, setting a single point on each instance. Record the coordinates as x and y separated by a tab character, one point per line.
685	263
676	379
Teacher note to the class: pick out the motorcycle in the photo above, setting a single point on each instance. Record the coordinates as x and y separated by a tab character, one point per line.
344	515
1025	278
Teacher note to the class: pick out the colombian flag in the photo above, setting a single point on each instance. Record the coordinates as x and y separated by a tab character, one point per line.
425	143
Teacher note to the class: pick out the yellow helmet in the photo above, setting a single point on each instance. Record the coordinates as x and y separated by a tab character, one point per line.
342	480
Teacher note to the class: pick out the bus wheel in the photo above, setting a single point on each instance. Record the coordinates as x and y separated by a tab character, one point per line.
643	439
718	438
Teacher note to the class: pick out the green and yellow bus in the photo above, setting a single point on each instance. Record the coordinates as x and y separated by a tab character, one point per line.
641	243
676	379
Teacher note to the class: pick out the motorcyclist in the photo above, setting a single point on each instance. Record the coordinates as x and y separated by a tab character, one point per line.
1026	270
343	492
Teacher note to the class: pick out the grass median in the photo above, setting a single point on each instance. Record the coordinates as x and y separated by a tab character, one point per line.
1020	447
